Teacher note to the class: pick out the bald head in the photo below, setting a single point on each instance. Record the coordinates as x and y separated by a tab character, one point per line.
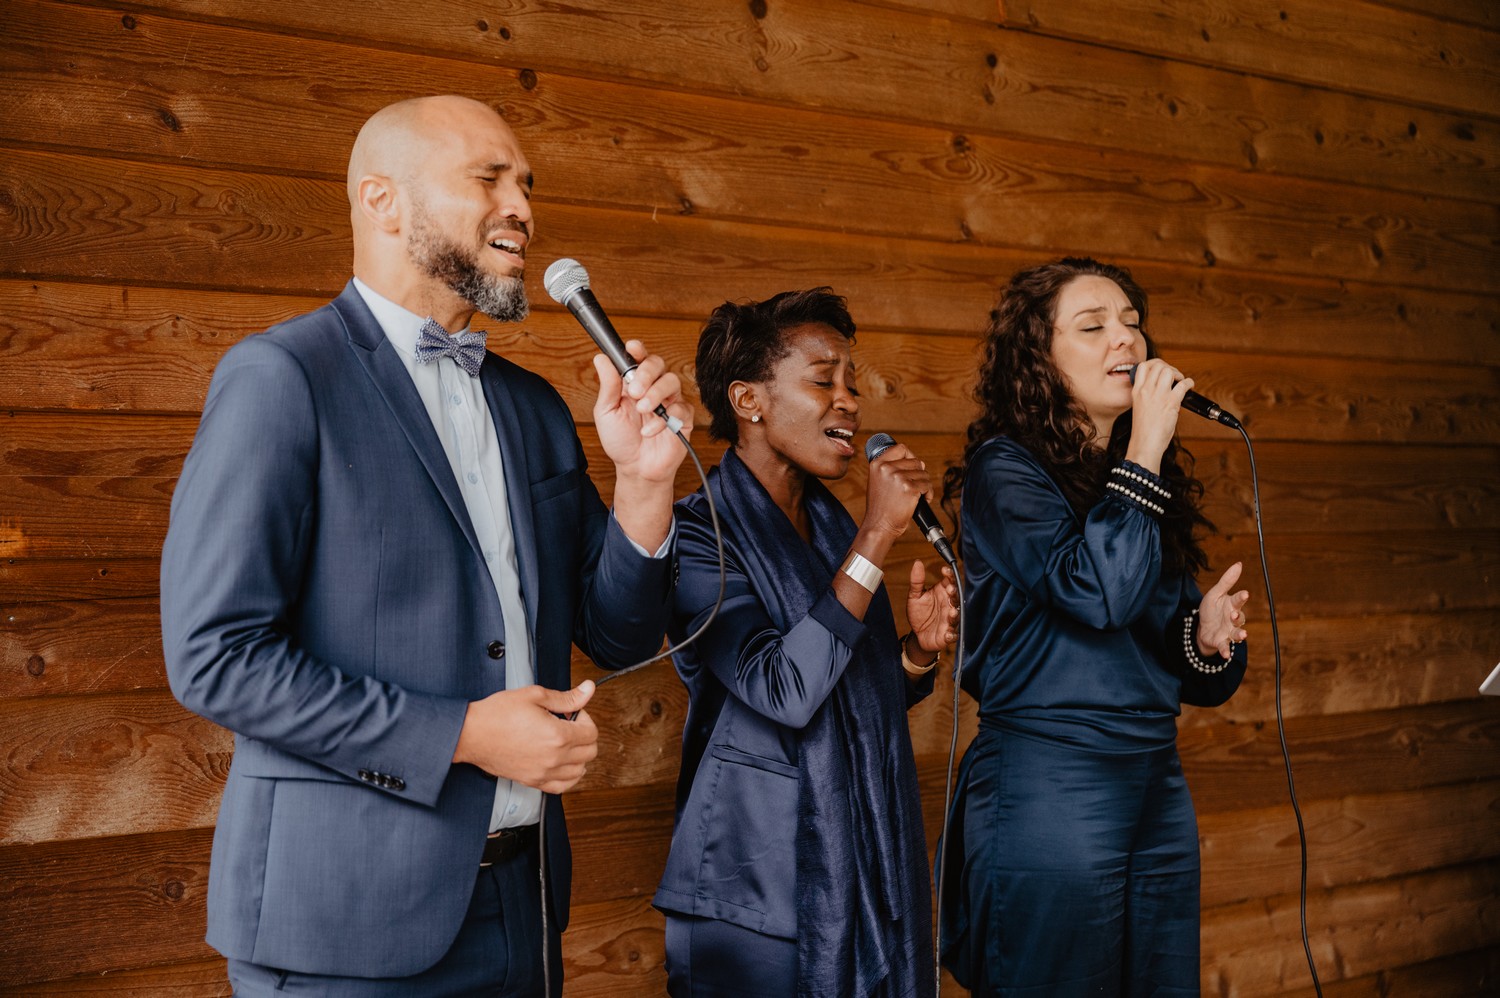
440	202
396	140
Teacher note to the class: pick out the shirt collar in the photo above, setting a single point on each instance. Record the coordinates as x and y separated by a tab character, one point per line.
399	325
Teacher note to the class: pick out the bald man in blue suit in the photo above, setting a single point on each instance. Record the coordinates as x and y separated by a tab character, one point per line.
383	544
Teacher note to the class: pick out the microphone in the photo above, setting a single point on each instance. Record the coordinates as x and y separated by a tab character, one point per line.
923	516
568	284
1203	406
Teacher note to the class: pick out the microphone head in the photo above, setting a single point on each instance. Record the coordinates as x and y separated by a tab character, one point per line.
1132	371
878	445
563	278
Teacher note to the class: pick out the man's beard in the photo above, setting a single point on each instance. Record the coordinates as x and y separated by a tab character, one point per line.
501	298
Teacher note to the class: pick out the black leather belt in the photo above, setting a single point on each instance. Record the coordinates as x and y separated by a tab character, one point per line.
507	844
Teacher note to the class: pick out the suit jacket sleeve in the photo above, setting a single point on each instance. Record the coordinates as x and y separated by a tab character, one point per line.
231	572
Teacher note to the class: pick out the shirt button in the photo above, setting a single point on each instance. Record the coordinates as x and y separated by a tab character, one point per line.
511	809
472	477
495	649
456	400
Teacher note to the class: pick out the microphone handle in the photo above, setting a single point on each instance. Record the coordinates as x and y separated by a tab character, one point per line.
590	315
1208	409
927	522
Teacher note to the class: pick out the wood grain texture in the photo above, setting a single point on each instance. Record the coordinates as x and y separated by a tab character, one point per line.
132	901
851	58
1352	840
1253	947
1344	45
288	233
652	149
1479	13
1235	766
107	765
194	979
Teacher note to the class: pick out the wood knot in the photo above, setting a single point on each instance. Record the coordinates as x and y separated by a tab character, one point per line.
482	24
991	60
505	33
528	79
35	665
758	9
655	708
169	119
128	22
173	889
761	64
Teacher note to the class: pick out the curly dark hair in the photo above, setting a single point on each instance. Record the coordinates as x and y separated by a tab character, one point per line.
1022	395
742	341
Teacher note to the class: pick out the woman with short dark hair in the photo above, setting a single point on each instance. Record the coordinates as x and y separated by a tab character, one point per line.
1072	842
798	861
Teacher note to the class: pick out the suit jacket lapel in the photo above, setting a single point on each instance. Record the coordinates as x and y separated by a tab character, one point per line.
507	420
389	375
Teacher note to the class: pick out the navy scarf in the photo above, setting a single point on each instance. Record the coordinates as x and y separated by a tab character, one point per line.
864	924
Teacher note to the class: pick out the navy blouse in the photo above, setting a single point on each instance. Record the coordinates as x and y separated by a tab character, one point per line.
1075	632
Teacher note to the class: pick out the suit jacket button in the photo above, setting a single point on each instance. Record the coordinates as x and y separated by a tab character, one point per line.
366	775
397	783
495	649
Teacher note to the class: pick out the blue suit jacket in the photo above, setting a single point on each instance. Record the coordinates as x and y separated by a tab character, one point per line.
323	597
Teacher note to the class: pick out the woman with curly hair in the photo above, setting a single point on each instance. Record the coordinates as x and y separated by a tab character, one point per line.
1073	837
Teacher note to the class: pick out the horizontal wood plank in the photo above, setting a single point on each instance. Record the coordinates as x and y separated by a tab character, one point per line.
1476	972
117	764
1345	665
82	217
29	580
193	979
1236	766
852	58
651	150
1356	839
1344	45
133	901
1253	948
1480	13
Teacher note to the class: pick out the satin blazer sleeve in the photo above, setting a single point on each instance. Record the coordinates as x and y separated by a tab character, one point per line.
1199	688
1101	572
783	677
232	567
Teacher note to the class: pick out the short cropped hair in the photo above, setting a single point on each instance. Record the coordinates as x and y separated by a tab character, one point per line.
743	341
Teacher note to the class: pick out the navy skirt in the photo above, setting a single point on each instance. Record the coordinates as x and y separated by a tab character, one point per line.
1071	871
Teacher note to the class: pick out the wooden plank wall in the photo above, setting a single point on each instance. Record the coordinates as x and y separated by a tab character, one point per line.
1307	188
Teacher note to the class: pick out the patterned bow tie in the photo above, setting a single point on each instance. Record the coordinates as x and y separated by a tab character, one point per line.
466	349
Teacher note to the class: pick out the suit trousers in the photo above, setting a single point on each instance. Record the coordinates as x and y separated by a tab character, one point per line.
497	954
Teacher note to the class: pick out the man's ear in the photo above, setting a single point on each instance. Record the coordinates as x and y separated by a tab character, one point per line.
380	202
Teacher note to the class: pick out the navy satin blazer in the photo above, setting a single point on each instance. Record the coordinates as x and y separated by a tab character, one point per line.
324	597
752	688
1075	631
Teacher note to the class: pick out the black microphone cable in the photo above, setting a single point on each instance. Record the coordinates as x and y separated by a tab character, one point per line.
1286	756
942	843
541	830
1211	410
